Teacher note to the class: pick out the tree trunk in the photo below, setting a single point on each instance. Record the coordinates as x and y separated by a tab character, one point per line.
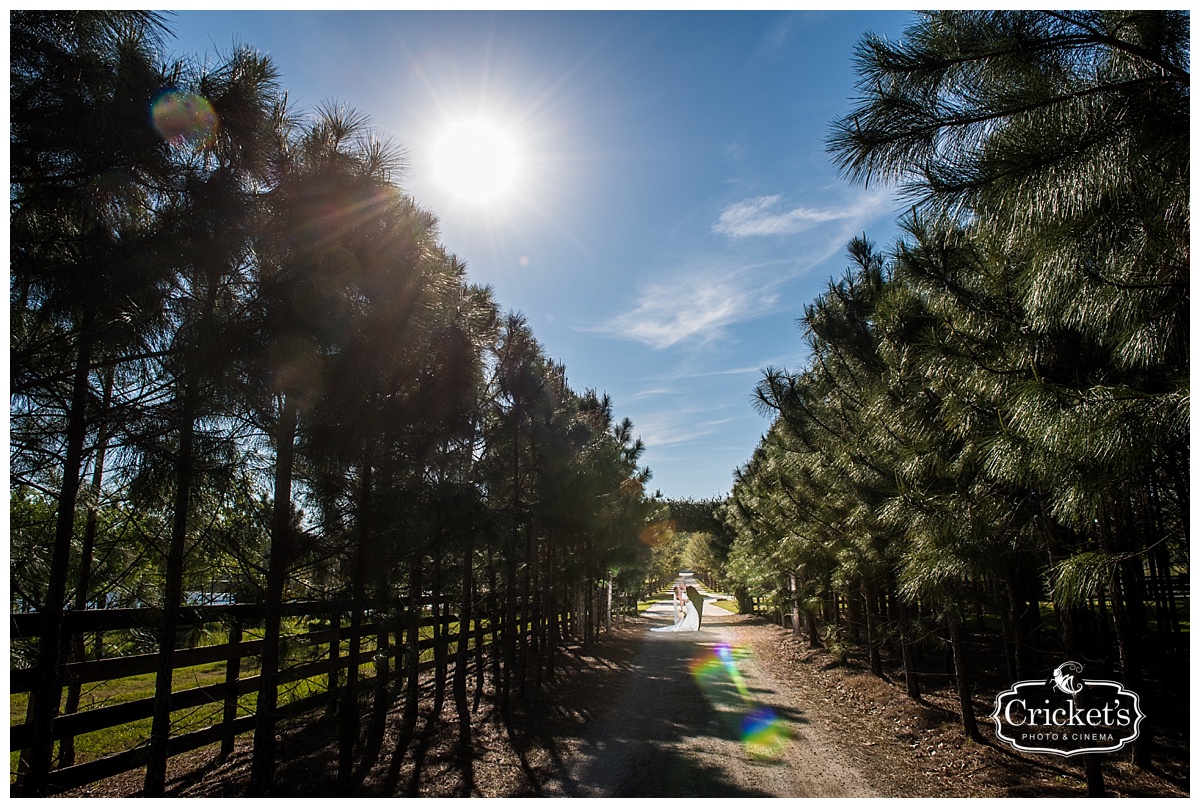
412	682
912	685
541	608
46	695
869	615
510	629
553	609
588	587
962	680
510	566
1093	769
483	620
191	378
348	707
854	618
262	764
795	591
233	672
160	729
1068	620
608	608
440	661
537	608
1127	598
383	653
333	682
1009	642
814	631
66	746
494	617
1128	621
527	614
1022	648
465	615
829	599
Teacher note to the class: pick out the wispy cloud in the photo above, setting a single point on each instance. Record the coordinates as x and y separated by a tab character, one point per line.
653	392
692	307
678	427
774	44
777	36
685	375
763	216
699	300
747	370
768	216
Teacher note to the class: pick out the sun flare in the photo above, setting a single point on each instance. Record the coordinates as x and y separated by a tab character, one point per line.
476	162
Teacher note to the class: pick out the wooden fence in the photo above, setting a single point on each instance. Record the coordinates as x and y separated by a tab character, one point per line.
315	653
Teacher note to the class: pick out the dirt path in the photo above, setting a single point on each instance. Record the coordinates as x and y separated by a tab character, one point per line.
694	715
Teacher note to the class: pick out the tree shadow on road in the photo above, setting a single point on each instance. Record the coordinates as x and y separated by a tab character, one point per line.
671	715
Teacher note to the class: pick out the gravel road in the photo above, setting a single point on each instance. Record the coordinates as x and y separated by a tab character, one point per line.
694	716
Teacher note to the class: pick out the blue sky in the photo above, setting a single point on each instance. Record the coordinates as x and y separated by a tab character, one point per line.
672	208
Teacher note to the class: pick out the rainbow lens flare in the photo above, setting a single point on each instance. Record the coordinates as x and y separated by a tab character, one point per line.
761	732
763	735
184	119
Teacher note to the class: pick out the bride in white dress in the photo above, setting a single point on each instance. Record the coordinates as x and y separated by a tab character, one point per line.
693	606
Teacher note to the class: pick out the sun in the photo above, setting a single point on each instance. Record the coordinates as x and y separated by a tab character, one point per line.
476	162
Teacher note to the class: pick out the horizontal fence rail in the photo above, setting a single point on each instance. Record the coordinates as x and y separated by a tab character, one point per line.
311	653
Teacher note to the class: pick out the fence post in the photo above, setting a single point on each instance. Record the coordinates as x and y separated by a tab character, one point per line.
233	674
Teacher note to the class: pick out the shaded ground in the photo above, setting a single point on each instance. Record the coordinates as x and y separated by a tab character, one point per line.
661	714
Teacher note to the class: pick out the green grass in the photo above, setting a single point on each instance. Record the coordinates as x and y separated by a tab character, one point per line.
92	745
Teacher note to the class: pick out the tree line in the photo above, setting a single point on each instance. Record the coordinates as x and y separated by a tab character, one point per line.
993	418
241	359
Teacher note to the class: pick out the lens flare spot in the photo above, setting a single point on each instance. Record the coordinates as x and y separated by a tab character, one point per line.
763	735
721	664
708	670
184	119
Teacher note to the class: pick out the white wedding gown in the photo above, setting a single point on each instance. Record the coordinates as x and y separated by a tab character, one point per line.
690	621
